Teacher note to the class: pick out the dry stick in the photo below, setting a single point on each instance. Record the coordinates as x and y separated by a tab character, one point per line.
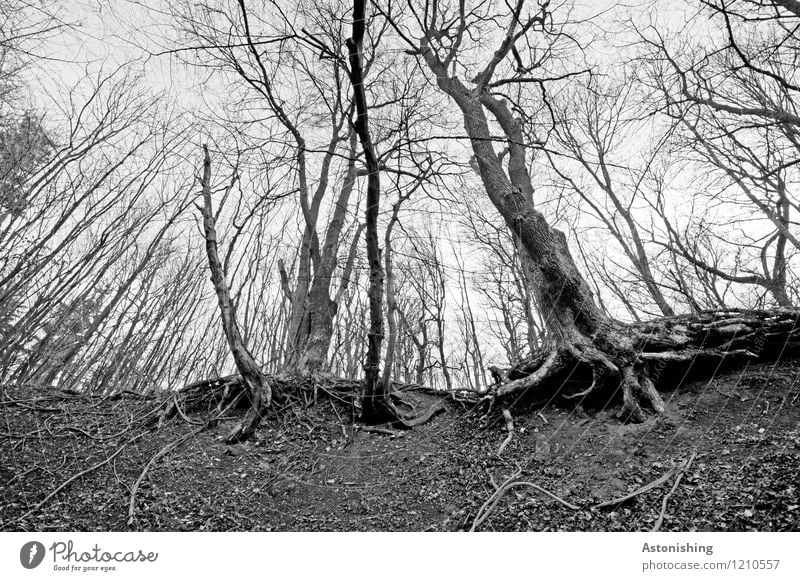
486	510
80	474
510	428
483	510
683	470
341	421
163	452
646	488
168	448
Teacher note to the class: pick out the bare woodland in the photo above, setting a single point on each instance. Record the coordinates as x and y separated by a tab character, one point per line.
493	202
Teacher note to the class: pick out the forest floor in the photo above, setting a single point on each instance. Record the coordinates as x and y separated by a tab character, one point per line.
309	471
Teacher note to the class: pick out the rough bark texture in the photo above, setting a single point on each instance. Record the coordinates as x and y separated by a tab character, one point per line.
666	353
312	308
589	347
257	387
376	405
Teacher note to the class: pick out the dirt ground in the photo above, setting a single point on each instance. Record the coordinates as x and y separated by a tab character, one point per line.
308	470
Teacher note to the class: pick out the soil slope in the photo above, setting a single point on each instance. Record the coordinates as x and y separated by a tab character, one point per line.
309	469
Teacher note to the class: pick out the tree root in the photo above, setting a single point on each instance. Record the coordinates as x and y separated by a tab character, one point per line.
379	430
259	399
681	472
552	365
423	418
229	392
485	511
160	454
613	503
631	362
80	474
510	428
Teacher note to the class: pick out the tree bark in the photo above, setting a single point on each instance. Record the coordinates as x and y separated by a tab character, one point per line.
669	351
579	332
376	405
257	386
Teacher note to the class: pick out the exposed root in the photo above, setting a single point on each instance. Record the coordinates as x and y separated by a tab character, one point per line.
485	511
635	392
632	362
246	427
379	430
425	417
510	428
681	472
586	392
550	367
690	355
491	503
210	397
161	453
80	474
207	395
639	491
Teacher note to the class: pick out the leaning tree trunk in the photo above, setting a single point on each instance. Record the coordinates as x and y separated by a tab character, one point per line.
578	331
589	356
255	383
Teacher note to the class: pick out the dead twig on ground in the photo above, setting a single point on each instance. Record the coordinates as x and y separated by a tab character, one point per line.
488	507
161	453
646	488
79	475
667	496
379	430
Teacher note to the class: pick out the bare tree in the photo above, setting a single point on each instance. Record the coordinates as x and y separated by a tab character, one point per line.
498	91
741	134
376	405
298	101
257	386
592	122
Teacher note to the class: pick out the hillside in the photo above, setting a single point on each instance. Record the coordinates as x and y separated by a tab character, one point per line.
725	456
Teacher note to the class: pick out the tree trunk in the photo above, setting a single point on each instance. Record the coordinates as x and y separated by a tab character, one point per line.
256	384
376	405
313	309
578	330
605	357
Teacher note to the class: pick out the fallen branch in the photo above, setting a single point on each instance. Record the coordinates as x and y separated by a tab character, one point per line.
681	472
79	475
379	430
486	509
161	453
646	488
